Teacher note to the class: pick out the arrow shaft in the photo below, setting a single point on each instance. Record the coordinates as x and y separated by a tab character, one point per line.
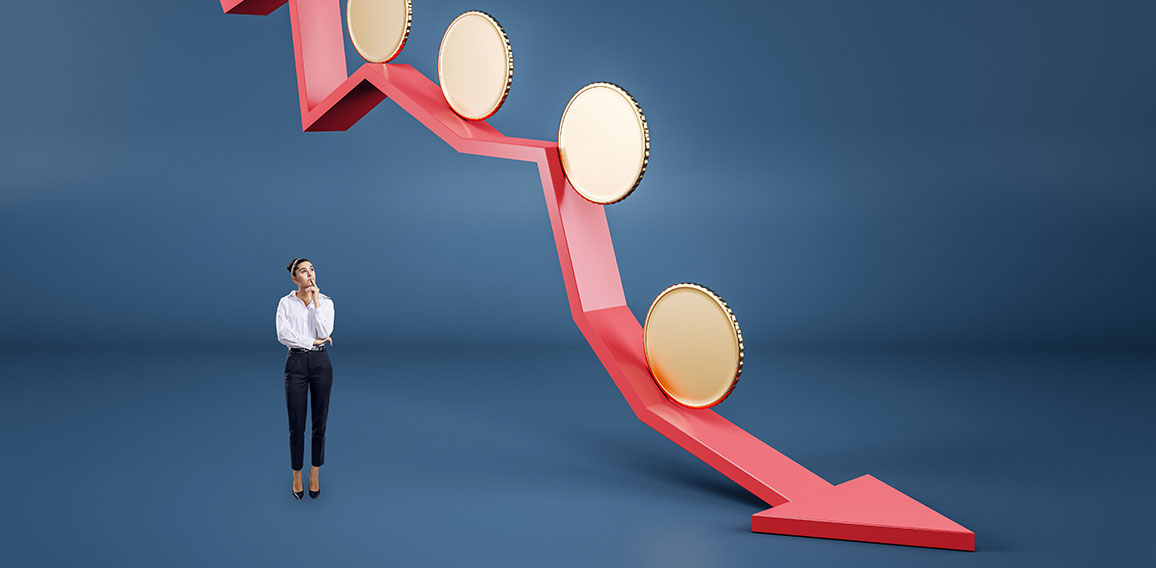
333	100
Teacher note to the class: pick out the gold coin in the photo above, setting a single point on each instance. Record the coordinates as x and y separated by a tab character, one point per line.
693	345
475	65
603	142
378	28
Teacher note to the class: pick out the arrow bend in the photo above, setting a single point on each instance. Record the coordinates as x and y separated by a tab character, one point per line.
332	100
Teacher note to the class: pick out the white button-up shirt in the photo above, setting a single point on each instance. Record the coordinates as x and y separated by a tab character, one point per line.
298	324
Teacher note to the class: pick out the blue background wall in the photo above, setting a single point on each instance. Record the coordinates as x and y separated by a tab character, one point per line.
934	221
842	172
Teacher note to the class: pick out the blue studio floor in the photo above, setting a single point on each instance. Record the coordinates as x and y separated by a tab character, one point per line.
456	457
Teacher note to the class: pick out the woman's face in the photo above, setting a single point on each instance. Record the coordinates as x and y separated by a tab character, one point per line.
304	275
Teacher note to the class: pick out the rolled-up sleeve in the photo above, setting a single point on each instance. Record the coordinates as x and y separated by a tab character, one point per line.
285	333
321	317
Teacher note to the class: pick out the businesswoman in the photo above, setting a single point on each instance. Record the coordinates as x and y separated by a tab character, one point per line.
304	323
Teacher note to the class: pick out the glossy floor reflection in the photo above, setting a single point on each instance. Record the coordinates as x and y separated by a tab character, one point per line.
442	457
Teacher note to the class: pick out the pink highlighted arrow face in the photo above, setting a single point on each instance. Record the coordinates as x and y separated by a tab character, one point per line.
865	509
804	504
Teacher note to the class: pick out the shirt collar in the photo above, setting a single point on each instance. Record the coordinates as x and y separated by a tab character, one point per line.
293	294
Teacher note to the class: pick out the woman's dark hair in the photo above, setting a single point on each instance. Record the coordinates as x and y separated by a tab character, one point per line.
293	265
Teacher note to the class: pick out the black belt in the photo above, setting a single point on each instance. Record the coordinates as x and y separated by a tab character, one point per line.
300	350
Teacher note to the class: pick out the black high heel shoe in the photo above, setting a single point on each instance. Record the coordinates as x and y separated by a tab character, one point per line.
313	494
297	494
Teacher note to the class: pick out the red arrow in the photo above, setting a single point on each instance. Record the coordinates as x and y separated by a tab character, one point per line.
802	503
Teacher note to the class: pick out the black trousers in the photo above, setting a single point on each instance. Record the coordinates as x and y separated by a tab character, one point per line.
307	373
